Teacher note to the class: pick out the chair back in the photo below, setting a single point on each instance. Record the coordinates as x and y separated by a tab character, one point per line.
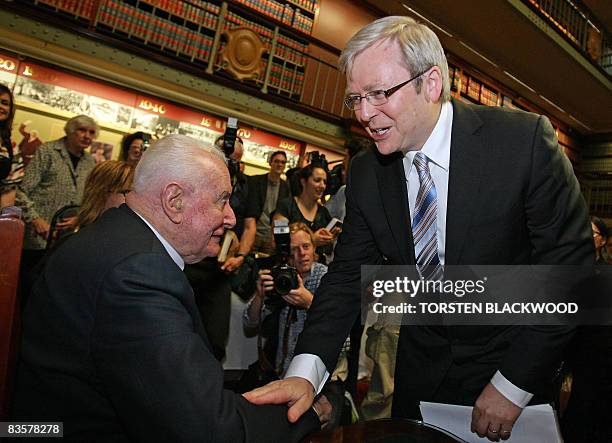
11	239
54	233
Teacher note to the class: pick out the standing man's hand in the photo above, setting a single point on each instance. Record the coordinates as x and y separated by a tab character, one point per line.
296	392
494	415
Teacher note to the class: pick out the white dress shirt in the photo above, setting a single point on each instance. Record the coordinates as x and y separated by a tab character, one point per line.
437	150
176	258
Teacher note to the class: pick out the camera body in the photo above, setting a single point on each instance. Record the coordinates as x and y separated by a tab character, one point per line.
285	276
229	141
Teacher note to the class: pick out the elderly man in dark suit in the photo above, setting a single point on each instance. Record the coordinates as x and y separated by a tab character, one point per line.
451	184
113	345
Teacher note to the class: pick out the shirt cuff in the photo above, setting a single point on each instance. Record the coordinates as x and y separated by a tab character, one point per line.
310	367
513	393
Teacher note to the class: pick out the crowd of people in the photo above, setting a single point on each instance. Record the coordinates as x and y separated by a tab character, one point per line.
127	314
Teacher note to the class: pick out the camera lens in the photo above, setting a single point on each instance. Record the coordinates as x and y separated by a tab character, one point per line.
283	283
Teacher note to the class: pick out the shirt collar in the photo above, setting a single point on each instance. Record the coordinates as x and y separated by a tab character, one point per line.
437	146
176	258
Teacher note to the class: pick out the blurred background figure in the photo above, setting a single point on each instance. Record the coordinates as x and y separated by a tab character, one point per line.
11	162
133	146
586	418
29	143
55	178
105	188
600	239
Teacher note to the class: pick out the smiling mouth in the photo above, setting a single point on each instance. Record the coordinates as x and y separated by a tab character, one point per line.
379	131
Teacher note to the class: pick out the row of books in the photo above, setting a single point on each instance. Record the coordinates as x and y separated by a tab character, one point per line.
488	96
271	8
295	44
185	10
308	5
288	80
135	22
302	22
290	54
235	20
79	8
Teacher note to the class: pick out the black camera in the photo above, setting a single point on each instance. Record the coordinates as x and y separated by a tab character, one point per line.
318	160
285	276
146	141
229	141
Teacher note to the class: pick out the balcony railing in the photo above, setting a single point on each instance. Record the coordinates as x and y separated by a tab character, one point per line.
577	26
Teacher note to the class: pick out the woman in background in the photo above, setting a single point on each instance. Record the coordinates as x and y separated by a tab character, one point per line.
11	162
105	188
306	206
133	146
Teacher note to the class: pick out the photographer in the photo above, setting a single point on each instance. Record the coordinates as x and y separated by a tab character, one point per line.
293	314
289	312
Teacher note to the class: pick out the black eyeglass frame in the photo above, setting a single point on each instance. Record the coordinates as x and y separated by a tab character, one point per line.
387	93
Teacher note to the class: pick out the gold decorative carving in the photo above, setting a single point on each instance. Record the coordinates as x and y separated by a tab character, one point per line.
241	56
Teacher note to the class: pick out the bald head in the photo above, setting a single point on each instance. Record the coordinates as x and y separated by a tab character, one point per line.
182	187
173	158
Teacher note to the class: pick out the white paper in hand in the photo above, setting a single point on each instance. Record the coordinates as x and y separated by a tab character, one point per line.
535	424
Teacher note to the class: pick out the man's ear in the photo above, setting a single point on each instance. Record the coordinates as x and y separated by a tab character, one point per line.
173	204
432	84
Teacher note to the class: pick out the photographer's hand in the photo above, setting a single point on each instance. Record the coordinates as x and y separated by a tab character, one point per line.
300	297
265	283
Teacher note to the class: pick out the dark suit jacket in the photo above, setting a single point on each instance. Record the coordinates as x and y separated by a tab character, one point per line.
113	346
258	187
512	199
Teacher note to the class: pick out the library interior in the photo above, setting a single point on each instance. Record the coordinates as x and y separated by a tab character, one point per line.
116	120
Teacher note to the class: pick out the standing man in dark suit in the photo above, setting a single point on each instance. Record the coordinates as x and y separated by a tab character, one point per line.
497	191
113	345
264	191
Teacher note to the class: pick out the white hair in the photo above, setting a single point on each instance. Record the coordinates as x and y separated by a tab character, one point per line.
419	44
172	158
80	121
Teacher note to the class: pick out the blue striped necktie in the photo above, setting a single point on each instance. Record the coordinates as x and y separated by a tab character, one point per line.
424	224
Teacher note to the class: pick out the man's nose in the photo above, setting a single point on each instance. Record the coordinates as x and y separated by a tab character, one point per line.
229	218
366	111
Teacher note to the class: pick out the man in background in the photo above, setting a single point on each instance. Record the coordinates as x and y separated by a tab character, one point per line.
265	190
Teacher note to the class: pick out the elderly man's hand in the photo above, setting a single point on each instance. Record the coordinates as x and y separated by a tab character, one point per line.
494	415
296	392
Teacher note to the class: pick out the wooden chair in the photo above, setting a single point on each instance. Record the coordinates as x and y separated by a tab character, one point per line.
11	242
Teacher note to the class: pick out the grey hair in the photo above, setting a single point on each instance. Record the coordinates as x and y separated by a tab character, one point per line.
421	47
171	158
80	121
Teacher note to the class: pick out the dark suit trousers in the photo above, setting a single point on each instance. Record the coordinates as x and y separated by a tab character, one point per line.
212	293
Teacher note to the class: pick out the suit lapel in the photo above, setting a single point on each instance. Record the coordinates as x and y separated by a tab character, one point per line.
466	166
394	197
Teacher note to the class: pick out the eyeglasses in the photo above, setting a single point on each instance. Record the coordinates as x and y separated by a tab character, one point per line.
378	97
